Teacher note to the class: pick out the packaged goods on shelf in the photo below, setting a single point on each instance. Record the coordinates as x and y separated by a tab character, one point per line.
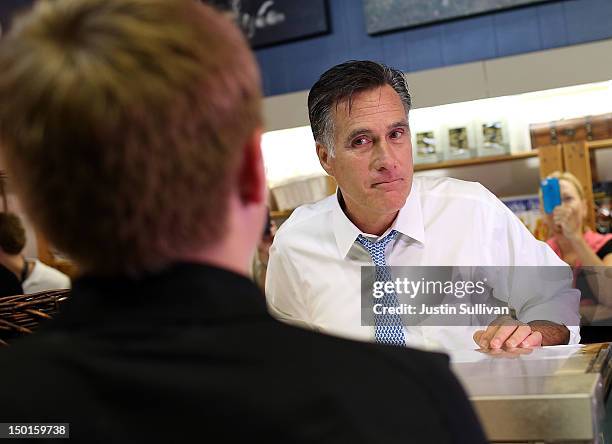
492	137
428	146
460	141
299	191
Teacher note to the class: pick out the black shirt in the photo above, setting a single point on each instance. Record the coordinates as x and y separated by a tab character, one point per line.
192	353
605	250
9	283
598	331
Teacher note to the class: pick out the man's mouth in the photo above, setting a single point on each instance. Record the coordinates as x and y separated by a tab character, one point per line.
390	183
387	182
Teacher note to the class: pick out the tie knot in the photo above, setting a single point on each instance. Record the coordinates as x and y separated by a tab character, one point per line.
377	249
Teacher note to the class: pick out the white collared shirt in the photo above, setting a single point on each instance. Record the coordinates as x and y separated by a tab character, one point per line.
314	271
43	278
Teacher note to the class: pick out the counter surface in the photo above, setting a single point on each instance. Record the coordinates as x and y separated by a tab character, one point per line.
550	394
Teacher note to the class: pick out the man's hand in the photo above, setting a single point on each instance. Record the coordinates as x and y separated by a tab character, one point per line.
505	353
509	333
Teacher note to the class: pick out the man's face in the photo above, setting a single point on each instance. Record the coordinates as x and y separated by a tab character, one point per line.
373	153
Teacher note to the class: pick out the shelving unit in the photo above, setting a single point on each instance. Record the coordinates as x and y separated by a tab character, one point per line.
284	214
475	161
599	144
548	164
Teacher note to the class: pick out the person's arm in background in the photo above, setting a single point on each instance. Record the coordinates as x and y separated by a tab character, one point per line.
599	281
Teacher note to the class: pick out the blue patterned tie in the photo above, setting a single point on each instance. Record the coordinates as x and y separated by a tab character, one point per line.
388	327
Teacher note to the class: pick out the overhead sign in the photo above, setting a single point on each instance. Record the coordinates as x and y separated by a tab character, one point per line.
391	15
264	22
268	22
8	8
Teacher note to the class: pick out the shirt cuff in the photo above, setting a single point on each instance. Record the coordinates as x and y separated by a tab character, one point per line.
574	334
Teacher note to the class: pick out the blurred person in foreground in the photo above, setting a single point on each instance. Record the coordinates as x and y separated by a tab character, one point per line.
33	275
148	115
588	253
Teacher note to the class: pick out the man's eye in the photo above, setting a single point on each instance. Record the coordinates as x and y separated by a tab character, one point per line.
360	141
396	134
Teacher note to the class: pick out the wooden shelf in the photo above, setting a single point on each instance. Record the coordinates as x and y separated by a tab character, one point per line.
599	144
280	214
475	161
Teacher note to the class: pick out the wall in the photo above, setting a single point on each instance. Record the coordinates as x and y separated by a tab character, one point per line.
296	66
535	71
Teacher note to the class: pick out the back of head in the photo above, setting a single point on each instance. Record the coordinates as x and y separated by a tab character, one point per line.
339	83
12	234
122	122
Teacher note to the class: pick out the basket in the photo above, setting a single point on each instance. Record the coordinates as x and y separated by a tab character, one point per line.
21	314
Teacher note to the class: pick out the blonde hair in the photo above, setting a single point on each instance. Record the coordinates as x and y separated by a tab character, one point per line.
569	177
123	124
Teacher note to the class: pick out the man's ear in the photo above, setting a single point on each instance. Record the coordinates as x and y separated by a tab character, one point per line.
325	159
251	176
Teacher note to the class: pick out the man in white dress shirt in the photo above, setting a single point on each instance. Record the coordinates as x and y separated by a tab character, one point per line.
34	275
359	116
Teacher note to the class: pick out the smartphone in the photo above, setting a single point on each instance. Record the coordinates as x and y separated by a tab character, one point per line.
551	194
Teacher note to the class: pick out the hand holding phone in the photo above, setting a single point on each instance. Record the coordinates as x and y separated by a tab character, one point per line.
551	194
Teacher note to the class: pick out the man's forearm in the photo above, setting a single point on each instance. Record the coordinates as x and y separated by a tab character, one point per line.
552	333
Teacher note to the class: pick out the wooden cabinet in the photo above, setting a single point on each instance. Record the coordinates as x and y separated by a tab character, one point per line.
587	129
576	158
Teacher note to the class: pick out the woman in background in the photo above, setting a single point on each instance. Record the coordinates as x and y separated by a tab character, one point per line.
588	253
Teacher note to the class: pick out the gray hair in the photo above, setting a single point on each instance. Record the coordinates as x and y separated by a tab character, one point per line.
340	83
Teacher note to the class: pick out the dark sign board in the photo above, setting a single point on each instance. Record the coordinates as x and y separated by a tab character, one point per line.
267	22
264	22
8	8
390	15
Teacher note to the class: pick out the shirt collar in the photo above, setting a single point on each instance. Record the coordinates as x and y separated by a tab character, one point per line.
409	222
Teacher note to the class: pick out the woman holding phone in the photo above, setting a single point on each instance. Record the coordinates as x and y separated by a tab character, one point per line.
587	252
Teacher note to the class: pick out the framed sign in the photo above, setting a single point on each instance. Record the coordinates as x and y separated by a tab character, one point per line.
8	8
390	15
268	22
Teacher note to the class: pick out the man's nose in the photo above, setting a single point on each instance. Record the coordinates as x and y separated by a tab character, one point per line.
383	156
